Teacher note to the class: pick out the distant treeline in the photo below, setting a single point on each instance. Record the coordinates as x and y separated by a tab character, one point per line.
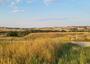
14	33
73	30
26	32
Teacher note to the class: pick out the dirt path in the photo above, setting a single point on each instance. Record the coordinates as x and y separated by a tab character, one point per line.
83	44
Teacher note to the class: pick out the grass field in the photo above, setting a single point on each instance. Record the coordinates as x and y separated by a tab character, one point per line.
45	48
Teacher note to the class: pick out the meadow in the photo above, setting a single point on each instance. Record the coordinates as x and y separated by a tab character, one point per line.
45	48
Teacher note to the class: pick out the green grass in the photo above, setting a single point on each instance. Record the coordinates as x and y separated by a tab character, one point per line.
73	54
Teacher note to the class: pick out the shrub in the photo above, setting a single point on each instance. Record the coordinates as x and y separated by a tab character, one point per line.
15	34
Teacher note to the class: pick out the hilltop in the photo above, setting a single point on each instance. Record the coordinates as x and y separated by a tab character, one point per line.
66	28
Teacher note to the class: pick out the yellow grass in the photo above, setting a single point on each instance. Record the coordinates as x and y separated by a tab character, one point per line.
36	47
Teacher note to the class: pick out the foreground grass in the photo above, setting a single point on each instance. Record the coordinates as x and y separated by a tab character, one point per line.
43	51
46	48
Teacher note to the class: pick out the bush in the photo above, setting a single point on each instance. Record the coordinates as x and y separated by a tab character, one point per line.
15	34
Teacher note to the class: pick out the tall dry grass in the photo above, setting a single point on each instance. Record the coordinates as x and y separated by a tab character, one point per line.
37	51
40	49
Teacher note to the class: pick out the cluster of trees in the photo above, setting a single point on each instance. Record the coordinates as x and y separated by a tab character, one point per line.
17	33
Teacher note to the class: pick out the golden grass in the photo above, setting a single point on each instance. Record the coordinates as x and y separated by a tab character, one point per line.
36	47
16	52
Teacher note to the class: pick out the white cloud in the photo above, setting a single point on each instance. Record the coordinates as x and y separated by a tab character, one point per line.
47	2
17	11
16	2
15	8
13	4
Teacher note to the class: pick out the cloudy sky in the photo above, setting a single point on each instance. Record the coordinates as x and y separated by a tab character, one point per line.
44	13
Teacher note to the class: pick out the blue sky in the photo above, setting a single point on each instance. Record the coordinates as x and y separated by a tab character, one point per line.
44	13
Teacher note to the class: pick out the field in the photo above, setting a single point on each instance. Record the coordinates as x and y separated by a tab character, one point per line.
45	48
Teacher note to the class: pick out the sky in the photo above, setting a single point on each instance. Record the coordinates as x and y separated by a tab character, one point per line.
44	13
